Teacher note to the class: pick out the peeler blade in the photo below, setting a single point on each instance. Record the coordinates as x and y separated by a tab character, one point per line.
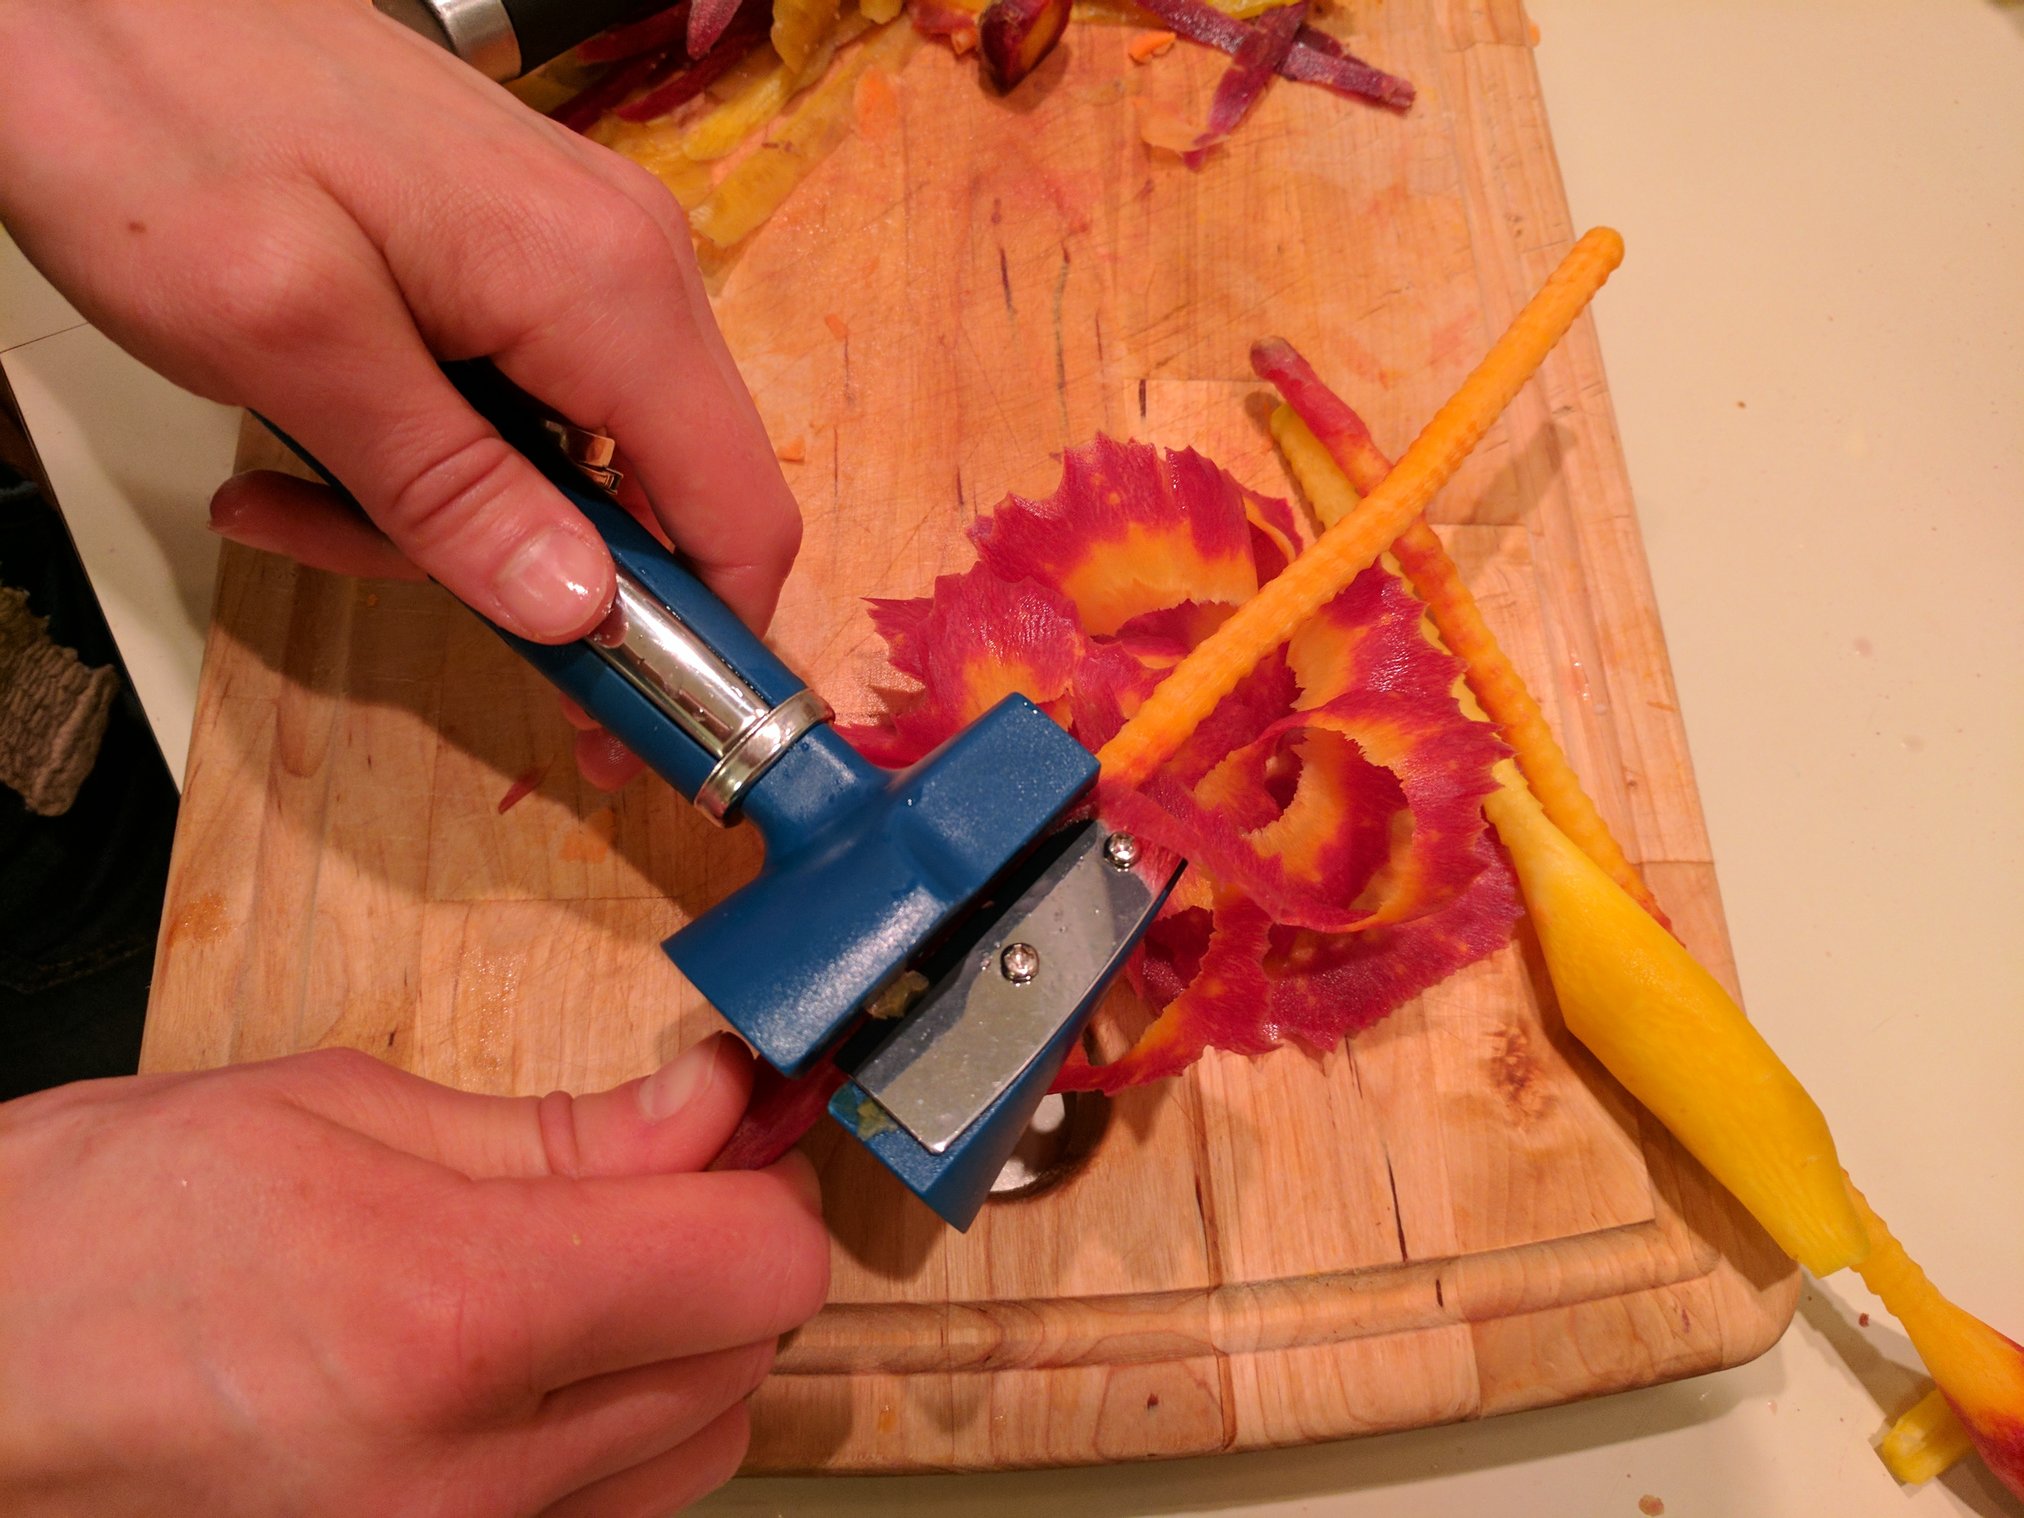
1011	993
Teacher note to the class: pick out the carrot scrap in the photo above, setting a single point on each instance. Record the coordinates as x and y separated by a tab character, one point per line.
1335	459
708	20
685	86
838	328
876	106
953	24
1926	1441
793	451
798	29
1147	46
528	782
1215	666
1015	35
662	29
587	106
1315	57
755	188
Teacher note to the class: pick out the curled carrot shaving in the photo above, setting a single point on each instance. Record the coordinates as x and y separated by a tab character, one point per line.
1212	670
1335	459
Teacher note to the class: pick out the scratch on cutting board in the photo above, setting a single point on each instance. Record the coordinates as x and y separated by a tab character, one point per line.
1005	281
1398	1217
1061	342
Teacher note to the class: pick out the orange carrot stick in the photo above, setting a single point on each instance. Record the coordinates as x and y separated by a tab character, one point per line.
1338	444
1180	702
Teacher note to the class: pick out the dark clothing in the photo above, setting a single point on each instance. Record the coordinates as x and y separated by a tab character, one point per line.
80	894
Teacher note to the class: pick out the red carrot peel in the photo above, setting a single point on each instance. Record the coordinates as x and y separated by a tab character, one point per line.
728	50
708	21
587	106
1497	685
649	34
1330	806
1314	57
1256	60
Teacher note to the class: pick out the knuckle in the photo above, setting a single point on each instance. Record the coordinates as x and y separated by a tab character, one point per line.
275	293
633	247
443	497
644	187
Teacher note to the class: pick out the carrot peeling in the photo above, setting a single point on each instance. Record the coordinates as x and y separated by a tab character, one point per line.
1335	459
1213	669
1148	45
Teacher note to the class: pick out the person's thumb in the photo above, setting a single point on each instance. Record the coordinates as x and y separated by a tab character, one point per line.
674	1120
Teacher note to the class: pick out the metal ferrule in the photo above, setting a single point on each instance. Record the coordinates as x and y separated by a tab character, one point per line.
668	663
478	31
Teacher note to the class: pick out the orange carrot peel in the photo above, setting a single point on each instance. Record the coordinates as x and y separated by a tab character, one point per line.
1316	429
1213	669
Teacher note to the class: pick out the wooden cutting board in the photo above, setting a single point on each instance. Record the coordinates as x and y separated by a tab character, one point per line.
1458	1215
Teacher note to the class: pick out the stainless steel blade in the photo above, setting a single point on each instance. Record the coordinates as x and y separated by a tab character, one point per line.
1009	995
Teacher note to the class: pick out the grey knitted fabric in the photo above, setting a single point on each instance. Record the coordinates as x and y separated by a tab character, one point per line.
52	710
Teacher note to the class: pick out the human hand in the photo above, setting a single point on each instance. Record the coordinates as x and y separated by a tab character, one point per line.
299	206
322	1286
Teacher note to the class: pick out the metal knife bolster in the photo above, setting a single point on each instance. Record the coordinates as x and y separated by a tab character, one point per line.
504	39
666	661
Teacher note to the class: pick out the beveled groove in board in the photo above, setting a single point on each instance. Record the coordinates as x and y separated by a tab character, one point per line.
1459	1213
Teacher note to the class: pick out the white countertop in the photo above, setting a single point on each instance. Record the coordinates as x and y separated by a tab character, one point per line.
1816	350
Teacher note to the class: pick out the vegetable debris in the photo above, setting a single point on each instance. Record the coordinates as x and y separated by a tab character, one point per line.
705	93
1330	808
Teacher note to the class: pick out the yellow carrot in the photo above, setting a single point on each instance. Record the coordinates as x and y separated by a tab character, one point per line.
1979	1371
1187	696
1665	1028
1332	478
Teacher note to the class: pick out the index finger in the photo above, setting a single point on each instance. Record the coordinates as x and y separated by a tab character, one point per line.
604	1275
642	357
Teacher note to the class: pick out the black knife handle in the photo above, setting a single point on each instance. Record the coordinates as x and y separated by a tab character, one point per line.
507	38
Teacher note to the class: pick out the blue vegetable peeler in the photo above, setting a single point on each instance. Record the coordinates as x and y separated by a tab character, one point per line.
941	932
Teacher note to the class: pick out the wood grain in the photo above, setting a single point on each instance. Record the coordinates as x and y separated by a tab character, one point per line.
1459	1214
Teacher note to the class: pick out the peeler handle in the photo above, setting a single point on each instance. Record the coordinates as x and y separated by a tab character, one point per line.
671	671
